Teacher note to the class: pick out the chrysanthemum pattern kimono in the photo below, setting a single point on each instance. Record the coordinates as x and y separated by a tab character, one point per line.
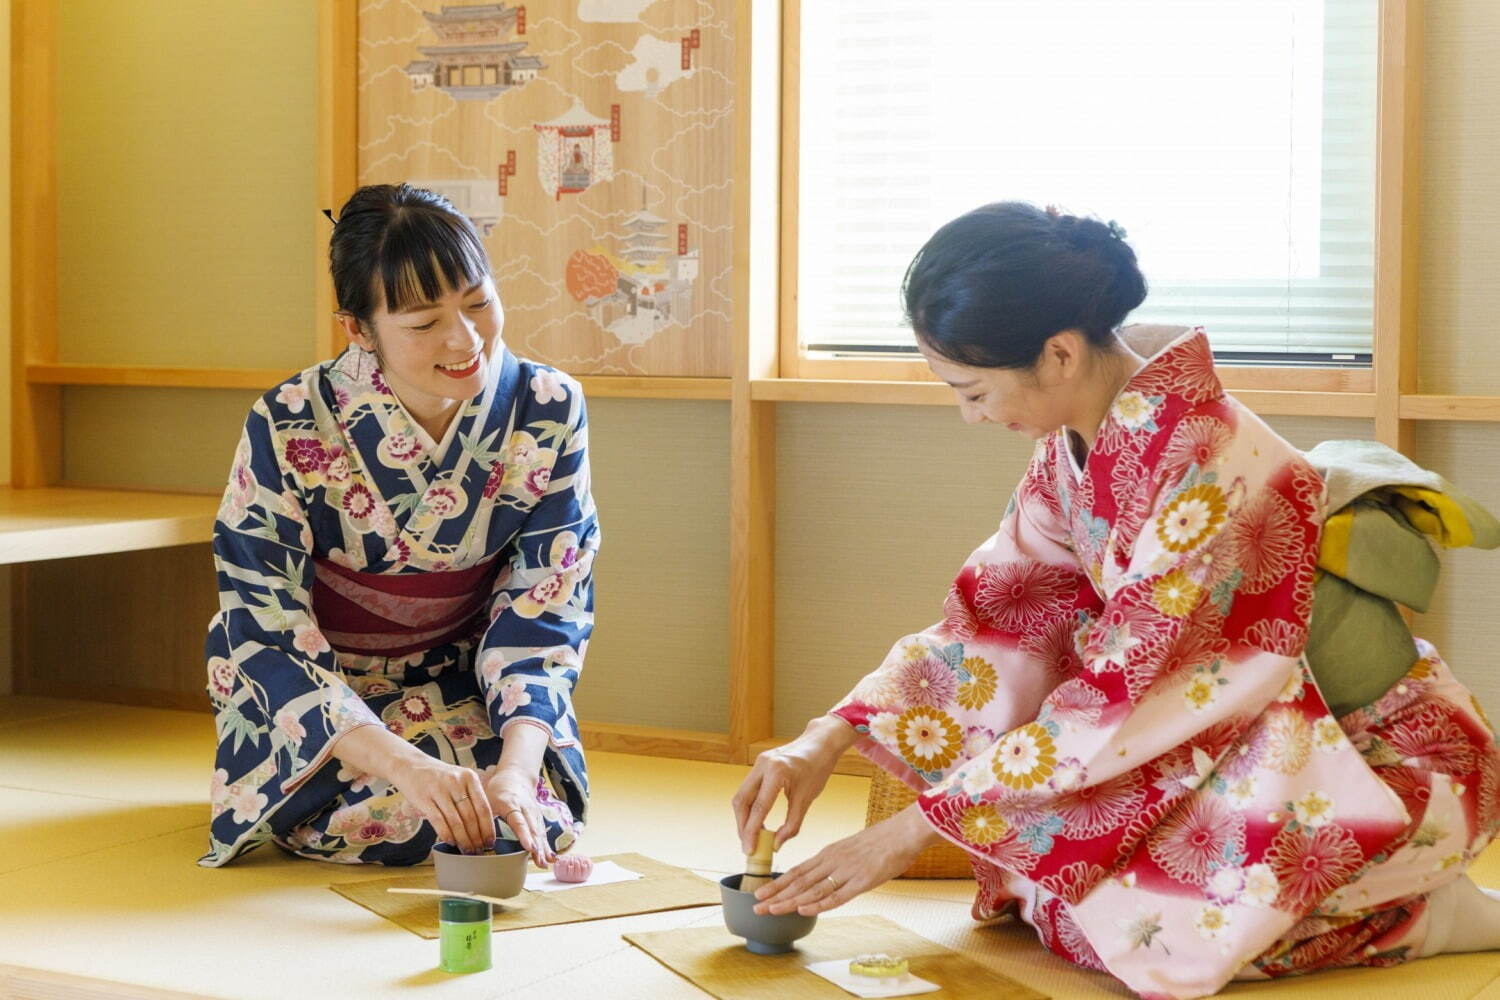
367	579
1115	720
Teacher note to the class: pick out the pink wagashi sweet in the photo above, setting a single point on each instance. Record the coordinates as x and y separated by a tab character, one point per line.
572	868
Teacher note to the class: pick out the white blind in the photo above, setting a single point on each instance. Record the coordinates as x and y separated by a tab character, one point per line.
1234	139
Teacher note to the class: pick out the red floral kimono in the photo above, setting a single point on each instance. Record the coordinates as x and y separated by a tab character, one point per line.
1116	721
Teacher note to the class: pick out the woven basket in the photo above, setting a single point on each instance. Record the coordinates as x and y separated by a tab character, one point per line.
889	796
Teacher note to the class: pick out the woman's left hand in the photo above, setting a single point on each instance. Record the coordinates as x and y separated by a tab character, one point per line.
512	795
848	867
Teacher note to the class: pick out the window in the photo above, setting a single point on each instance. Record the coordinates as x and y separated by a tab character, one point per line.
1234	140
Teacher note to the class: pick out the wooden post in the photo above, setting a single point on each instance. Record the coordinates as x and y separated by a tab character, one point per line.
338	150
1397	159
752	514
36	410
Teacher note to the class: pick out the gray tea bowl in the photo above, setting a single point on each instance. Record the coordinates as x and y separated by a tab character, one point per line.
500	873
771	934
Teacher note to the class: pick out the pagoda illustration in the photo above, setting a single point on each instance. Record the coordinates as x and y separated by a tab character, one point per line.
476	58
643	288
573	151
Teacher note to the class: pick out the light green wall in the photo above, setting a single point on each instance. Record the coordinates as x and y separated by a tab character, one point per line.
154	439
186	172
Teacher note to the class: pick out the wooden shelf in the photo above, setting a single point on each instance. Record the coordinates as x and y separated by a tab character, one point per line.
1263	401
653	387
146	375
810	390
599	386
655	741
60	522
1418	407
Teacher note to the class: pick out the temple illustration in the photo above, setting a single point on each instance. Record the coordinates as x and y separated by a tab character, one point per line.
476	59
573	151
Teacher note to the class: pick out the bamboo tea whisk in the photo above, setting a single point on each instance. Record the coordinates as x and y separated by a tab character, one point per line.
758	864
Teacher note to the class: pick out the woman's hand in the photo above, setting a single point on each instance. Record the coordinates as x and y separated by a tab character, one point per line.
512	794
800	769
450	797
848	867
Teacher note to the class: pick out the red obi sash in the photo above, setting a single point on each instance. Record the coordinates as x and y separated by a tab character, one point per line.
381	614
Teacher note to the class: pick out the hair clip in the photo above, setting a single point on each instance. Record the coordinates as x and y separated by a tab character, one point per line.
1116	230
329	213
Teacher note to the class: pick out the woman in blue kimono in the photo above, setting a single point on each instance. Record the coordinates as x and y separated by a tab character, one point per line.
404	556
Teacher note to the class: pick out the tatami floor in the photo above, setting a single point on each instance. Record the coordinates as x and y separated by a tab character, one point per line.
102	813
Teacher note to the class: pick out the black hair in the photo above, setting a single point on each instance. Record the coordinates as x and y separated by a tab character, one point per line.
412	241
990	288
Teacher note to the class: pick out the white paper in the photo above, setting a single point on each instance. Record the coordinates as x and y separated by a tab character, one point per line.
604	873
838	974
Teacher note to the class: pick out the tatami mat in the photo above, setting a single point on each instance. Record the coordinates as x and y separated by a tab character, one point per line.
102	815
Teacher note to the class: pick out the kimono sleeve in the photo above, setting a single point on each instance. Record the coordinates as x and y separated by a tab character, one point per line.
542	608
297	696
1008	635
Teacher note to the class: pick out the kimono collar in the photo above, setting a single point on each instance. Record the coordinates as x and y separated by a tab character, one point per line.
357	383
1179	364
1178	374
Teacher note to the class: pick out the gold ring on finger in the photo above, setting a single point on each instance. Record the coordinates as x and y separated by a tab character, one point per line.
837	885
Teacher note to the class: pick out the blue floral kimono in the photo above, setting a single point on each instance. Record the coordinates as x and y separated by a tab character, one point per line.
370	576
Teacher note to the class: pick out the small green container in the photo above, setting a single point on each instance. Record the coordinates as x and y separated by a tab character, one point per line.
464	933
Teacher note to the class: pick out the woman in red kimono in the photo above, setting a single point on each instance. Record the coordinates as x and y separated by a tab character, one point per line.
1115	718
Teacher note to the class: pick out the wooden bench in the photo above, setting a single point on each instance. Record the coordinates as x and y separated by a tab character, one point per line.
62	522
130	562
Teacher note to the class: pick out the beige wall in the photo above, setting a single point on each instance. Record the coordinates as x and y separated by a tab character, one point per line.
877	507
1460	202
660	655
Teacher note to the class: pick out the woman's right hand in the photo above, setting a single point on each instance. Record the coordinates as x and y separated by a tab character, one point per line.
799	769
451	798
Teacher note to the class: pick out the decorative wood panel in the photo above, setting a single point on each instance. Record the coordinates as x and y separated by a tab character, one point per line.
592	144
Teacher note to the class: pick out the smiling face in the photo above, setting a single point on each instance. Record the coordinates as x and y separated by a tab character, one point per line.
435	353
1034	402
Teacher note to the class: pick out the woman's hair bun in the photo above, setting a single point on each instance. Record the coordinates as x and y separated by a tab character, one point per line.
992	286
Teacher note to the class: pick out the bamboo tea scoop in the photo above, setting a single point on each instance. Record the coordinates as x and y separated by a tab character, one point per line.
758	865
450	892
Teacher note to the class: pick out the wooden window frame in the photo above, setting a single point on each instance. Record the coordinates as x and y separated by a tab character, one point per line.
1307	391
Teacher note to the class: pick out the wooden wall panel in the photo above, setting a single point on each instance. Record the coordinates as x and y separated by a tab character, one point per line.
572	207
127	627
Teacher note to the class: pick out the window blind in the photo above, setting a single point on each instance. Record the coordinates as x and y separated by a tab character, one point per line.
1234	140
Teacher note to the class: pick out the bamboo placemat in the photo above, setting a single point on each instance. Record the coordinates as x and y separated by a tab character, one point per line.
716	962
660	887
